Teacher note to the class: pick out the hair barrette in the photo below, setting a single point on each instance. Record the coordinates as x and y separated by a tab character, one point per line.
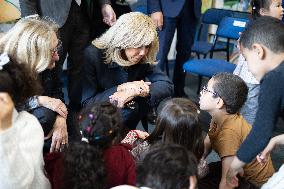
4	59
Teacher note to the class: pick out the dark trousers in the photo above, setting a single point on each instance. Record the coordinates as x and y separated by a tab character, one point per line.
185	23
75	36
213	178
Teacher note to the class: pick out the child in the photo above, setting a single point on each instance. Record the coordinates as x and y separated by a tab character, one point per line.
178	123
262	44
168	166
271	8
21	135
84	167
102	128
222	98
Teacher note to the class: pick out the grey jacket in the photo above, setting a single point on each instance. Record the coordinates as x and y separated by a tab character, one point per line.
57	10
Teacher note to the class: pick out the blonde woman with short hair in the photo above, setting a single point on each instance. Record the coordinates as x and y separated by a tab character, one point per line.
120	67
33	41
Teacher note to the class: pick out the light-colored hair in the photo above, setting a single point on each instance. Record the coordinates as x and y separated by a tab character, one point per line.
29	42
131	30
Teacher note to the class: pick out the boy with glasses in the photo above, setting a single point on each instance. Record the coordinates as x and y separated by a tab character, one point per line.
223	98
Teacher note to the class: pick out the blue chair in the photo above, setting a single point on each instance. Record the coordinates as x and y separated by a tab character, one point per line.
228	28
202	46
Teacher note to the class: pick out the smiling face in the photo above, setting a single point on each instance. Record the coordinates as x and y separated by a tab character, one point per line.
275	10
135	55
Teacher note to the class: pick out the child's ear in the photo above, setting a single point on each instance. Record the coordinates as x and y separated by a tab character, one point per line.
258	50
262	12
220	103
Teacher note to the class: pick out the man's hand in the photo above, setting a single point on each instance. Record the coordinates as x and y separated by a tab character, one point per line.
108	13
6	111
158	19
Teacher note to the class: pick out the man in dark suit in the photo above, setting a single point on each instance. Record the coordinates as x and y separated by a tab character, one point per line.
169	15
74	33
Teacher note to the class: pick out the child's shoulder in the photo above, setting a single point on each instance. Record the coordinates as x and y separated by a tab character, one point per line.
236	126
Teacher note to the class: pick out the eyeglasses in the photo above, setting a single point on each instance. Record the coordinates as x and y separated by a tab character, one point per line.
205	89
57	48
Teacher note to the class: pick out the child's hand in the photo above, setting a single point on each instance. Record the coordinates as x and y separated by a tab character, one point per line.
142	134
263	156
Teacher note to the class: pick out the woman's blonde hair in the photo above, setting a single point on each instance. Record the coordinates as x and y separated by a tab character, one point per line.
132	30
29	42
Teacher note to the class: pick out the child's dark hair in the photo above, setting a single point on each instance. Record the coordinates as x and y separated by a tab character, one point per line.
83	167
265	30
18	81
178	122
257	5
167	166
101	124
232	90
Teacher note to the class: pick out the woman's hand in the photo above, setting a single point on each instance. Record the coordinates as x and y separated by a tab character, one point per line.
141	134
59	134
53	104
136	88
6	111
120	98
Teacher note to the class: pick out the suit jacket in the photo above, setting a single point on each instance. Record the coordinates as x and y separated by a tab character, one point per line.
58	10
172	8
101	80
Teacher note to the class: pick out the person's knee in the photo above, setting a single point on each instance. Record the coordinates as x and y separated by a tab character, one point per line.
46	117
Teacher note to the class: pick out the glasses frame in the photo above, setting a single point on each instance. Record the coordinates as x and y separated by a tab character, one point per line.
205	89
57	48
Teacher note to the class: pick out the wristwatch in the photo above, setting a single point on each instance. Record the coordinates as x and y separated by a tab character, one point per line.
33	102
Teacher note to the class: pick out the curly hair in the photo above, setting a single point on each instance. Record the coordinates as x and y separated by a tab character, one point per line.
29	42
19	82
131	30
83	167
232	90
101	124
167	166
178	122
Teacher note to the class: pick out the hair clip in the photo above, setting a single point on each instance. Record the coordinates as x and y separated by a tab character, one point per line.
4	59
85	140
91	116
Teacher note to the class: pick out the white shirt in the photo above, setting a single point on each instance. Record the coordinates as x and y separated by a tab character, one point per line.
242	71
21	159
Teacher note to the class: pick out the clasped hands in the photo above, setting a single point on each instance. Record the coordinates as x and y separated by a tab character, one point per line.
127	91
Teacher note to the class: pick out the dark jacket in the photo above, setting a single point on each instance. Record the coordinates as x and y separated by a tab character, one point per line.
100	80
58	10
